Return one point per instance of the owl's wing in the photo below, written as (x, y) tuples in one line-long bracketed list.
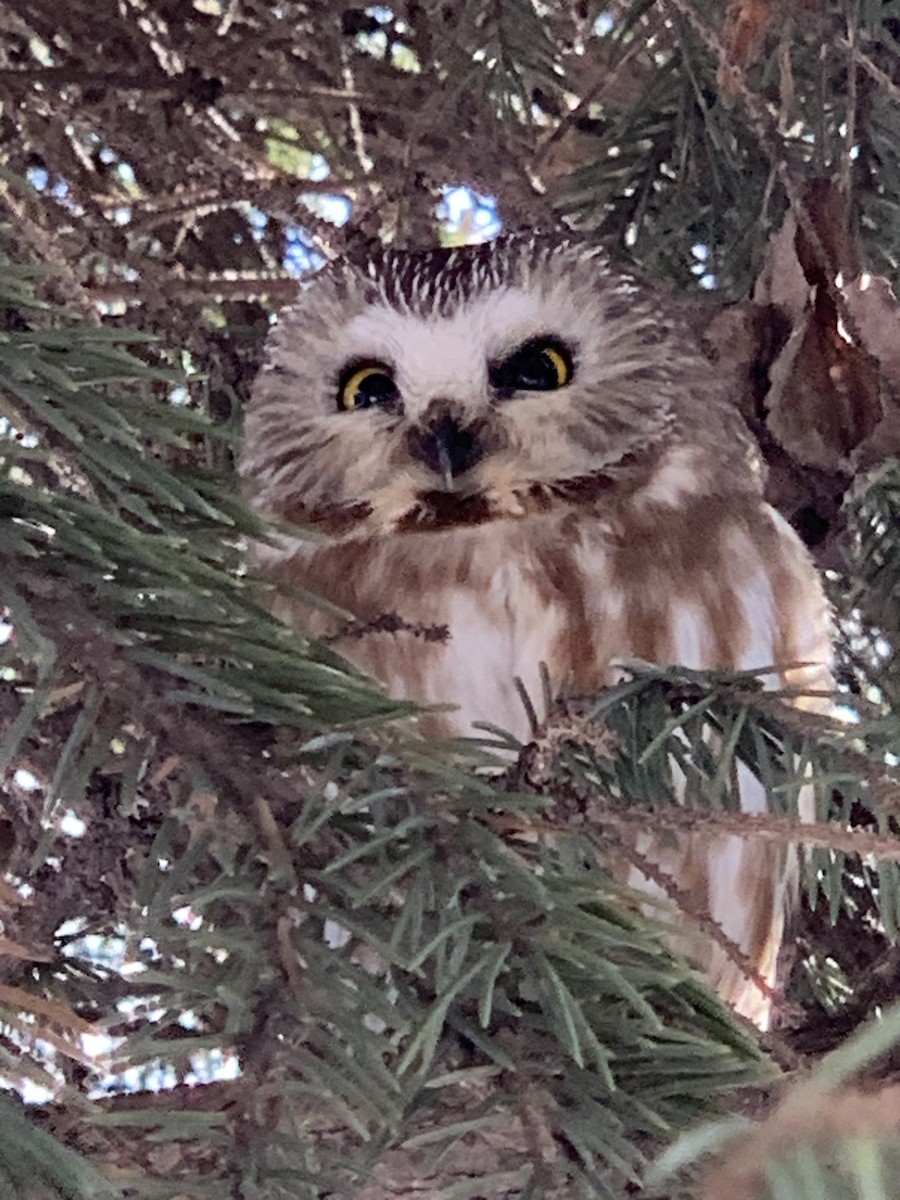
[(748, 886)]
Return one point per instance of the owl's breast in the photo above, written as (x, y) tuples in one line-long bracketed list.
[(477, 608), (456, 616), (496, 632)]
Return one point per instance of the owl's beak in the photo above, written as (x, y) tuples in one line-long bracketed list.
[(446, 463), (447, 447)]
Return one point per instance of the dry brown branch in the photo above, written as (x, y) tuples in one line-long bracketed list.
[(713, 823)]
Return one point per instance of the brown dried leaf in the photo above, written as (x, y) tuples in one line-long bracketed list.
[(824, 244), (810, 252), (743, 340), (824, 400), (782, 281), (876, 316)]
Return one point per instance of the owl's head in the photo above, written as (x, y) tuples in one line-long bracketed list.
[(415, 390)]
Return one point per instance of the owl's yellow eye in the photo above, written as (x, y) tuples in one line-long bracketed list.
[(561, 364), (365, 386), (540, 365)]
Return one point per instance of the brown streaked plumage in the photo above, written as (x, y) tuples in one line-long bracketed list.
[(546, 465)]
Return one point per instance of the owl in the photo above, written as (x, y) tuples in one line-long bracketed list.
[(518, 446)]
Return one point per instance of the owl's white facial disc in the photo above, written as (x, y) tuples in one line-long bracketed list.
[(448, 356), (417, 390)]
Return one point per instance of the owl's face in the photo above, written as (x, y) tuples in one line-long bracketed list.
[(420, 390)]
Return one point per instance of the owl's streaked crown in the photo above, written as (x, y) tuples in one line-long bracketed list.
[(440, 323)]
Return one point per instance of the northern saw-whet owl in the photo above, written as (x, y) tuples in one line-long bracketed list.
[(517, 442)]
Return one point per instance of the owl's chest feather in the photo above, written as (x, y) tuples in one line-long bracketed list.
[(499, 631), (712, 587), (492, 607)]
